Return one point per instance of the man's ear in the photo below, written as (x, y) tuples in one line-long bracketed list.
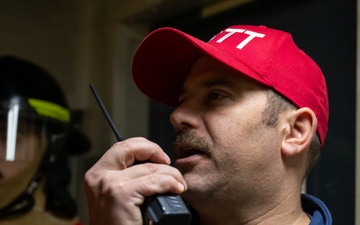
[(300, 128)]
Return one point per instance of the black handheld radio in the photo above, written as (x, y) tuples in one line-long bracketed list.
[(160, 209)]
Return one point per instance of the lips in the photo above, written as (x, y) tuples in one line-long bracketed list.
[(187, 151)]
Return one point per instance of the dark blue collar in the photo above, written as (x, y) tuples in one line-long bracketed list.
[(316, 210)]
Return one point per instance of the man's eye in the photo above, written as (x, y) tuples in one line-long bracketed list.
[(215, 95)]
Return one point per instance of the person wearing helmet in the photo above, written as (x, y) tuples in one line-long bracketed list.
[(37, 135)]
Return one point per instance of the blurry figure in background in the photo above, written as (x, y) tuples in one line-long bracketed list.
[(37, 135)]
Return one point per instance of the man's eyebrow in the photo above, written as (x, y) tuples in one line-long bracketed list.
[(212, 83), (223, 82)]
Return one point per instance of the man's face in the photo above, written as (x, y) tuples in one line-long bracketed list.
[(223, 149), (27, 150)]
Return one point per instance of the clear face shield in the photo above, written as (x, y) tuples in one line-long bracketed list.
[(22, 134)]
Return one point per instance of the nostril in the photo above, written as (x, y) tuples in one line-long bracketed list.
[(185, 115), (180, 122), (177, 118)]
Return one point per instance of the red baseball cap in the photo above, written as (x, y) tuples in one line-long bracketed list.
[(270, 57)]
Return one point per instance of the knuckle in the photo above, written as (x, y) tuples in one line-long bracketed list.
[(90, 177), (159, 183), (106, 184), (152, 168), (110, 185), (151, 180), (123, 145)]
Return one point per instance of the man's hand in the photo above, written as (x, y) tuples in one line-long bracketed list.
[(115, 188)]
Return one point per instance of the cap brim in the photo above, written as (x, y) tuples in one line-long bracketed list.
[(164, 59)]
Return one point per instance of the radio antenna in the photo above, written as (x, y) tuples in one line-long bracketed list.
[(106, 113)]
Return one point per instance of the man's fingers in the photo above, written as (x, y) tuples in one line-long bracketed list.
[(148, 174), (115, 183), (123, 154), (147, 179), (147, 169)]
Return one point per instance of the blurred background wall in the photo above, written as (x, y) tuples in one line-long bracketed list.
[(93, 41)]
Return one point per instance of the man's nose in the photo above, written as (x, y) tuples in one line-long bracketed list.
[(185, 116)]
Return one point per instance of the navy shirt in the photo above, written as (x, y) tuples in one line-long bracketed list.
[(316, 210)]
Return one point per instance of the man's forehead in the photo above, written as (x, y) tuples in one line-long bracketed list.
[(209, 72)]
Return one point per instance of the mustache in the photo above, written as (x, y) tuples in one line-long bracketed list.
[(190, 139)]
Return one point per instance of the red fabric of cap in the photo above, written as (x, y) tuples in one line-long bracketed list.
[(270, 57)]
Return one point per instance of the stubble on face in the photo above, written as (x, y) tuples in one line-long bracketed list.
[(188, 139)]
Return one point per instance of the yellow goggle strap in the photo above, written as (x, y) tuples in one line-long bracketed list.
[(49, 109)]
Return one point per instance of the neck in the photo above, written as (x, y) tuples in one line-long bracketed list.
[(284, 211)]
